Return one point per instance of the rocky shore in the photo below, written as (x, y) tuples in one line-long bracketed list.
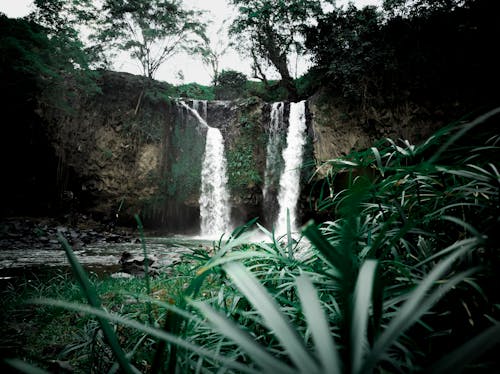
[(41, 233)]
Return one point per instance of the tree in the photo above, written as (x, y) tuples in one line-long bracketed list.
[(231, 85), (349, 47), (271, 30), (64, 54), (150, 30), (211, 53), (407, 8)]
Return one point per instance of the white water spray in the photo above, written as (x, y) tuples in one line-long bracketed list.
[(201, 107), (290, 179)]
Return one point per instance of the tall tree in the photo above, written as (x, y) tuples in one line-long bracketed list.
[(150, 30), (65, 52), (271, 30), (211, 53)]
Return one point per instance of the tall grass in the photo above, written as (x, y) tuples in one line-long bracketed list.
[(402, 280)]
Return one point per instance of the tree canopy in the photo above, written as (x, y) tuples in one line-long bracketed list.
[(269, 31), (150, 30)]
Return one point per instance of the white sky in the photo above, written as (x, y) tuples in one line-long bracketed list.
[(192, 69)]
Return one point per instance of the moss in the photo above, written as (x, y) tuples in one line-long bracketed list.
[(243, 155), (185, 160)]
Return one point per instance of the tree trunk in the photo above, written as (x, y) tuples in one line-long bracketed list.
[(280, 61)]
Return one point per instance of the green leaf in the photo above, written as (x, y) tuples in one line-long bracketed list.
[(93, 299), (272, 316), (228, 328), (318, 325), (361, 312), (416, 305), (457, 360), (24, 367), (154, 332)]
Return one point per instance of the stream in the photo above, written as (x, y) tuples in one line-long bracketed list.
[(23, 253)]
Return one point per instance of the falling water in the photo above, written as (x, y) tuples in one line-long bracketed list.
[(290, 179), (201, 106), (195, 113), (214, 197), (273, 150)]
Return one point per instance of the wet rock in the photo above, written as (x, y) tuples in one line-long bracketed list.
[(121, 275), (135, 265), (34, 233)]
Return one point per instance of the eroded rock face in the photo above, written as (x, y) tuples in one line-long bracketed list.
[(124, 152), (338, 129), (112, 143)]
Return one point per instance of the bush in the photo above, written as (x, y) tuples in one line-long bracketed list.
[(230, 85)]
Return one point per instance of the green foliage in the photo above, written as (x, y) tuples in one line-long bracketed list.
[(423, 51), (272, 92), (403, 280), (36, 59), (242, 170), (230, 85), (195, 91), (348, 45), (268, 32)]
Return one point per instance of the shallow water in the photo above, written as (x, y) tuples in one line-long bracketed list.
[(102, 258)]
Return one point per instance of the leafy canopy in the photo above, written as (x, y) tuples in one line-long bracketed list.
[(270, 31)]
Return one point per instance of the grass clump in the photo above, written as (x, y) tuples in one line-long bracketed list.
[(402, 279)]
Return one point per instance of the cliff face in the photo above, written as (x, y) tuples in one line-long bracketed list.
[(131, 149), (108, 146), (337, 129)]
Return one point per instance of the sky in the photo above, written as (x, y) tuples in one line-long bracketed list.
[(191, 69)]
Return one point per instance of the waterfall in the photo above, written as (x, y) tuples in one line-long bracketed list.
[(274, 162), (214, 197), (273, 149), (195, 113), (290, 179), (201, 107)]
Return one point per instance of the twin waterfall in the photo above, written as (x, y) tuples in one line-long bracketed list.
[(283, 162), (290, 178)]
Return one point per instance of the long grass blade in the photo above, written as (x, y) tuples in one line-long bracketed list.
[(317, 323), (329, 253), (413, 308), (24, 367), (457, 360), (146, 265), (378, 159), (228, 328), (154, 332), (93, 299), (289, 234), (361, 312), (272, 316), (469, 126)]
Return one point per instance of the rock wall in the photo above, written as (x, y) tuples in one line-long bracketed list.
[(338, 129), (109, 145)]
